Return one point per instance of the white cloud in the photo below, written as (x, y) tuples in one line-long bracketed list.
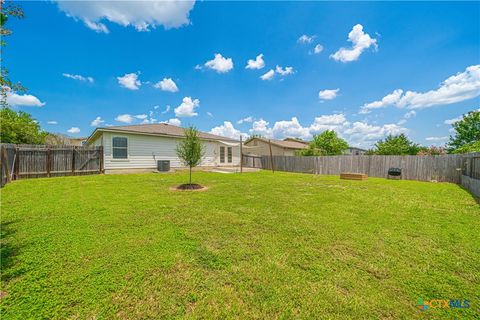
[(359, 134), (318, 49), (142, 15), (436, 138), (22, 100), (78, 77), (247, 119), (360, 42), (258, 63), (227, 130), (187, 107), (328, 94), (141, 116), (209, 114), (73, 130), (452, 121), (130, 81), (460, 87), (125, 118), (167, 84), (173, 122), (52, 122), (219, 64), (284, 72), (304, 39), (290, 128), (268, 75), (167, 109), (97, 122), (390, 99)]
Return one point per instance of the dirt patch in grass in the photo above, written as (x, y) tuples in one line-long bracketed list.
[(189, 187)]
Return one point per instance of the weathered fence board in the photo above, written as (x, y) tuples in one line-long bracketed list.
[(442, 168), (35, 161)]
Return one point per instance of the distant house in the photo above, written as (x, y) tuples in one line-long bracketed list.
[(57, 139), (353, 151), (141, 146), (260, 146)]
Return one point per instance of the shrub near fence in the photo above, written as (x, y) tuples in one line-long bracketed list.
[(442, 168), (34, 161)]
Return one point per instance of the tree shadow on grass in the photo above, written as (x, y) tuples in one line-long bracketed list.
[(7, 252)]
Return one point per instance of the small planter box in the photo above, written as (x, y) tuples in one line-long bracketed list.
[(353, 176)]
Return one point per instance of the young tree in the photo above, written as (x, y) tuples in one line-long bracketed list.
[(190, 150), (397, 145), (325, 144), (20, 127), (467, 134)]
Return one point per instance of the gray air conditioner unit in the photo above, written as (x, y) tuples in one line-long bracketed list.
[(163, 165)]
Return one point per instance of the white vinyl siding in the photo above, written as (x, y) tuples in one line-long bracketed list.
[(145, 150)]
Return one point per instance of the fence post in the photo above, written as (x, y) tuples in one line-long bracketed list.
[(17, 164), (5, 164), (73, 161), (241, 155), (271, 155), (102, 169), (48, 162)]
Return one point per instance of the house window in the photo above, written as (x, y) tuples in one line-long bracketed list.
[(119, 148), (229, 154), (222, 154)]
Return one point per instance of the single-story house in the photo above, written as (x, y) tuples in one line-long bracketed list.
[(261, 146), (353, 151), (139, 147)]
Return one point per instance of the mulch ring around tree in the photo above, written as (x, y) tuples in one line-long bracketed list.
[(189, 187)]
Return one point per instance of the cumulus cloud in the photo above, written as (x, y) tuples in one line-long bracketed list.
[(141, 116), (22, 100), (173, 122), (187, 107), (130, 81), (97, 122), (284, 72), (73, 130), (167, 84), (304, 39), (258, 63), (142, 15), (328, 94), (247, 119), (227, 130), (318, 49), (78, 77), (460, 87), (360, 42), (125, 118), (360, 134), (53, 122), (268, 75), (219, 64)]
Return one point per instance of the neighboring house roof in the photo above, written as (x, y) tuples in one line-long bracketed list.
[(160, 129), (355, 148), (288, 144), (297, 140)]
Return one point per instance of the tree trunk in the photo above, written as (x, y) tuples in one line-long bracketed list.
[(190, 175)]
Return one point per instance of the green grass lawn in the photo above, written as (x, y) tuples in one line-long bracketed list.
[(257, 245)]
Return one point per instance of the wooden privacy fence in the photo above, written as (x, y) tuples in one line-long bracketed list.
[(34, 161), (443, 168)]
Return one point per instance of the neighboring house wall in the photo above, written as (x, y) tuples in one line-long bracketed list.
[(144, 151), (354, 151), (261, 148)]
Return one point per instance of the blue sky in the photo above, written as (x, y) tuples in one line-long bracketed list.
[(83, 61)]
